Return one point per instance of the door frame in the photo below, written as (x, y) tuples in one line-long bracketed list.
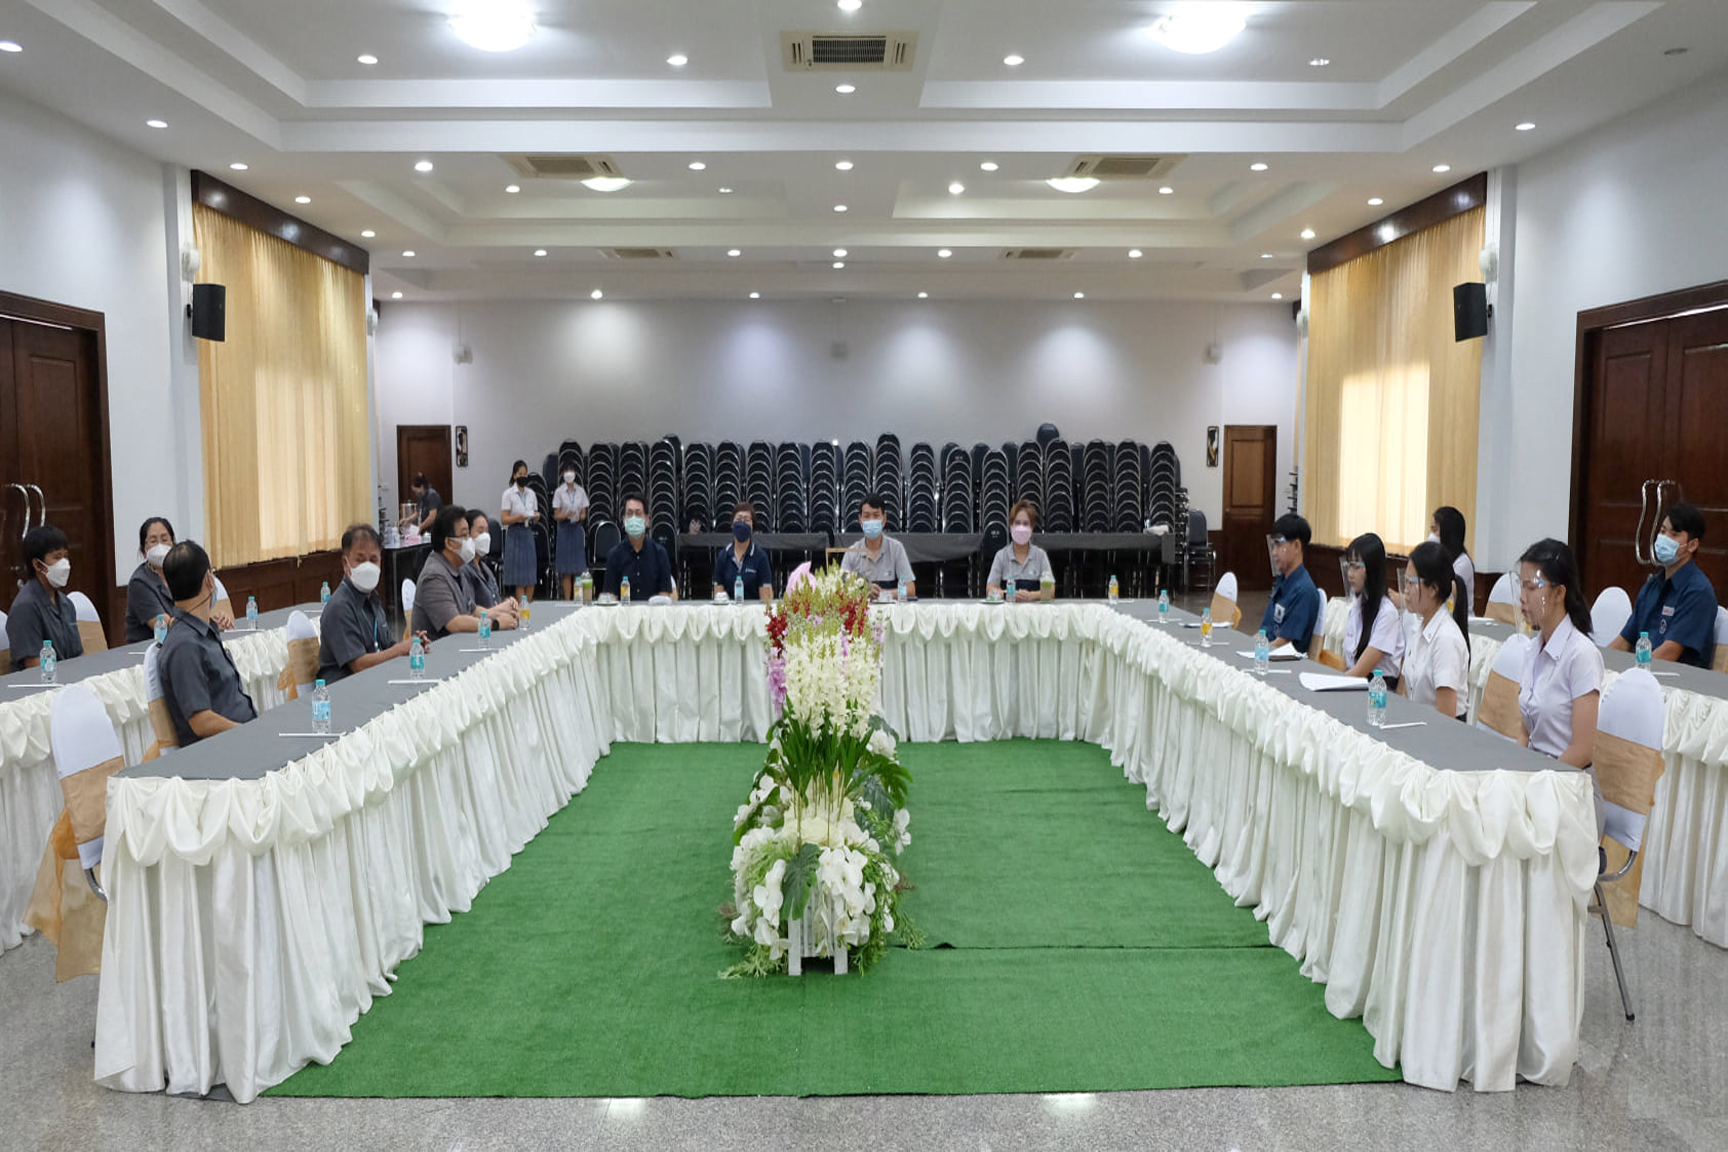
[(94, 325), (1224, 490), (1592, 322)]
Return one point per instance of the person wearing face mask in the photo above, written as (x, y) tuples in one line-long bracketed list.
[(147, 591), (1019, 569), (427, 502), (1446, 528), (521, 508), (42, 610), (643, 560), (879, 558), (570, 510), (443, 603), (744, 558), (1677, 605), (1561, 686), (1437, 665), (1378, 645), (200, 685), (354, 631), (1295, 605), (475, 573)]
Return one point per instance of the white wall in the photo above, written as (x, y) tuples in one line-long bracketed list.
[(83, 223), (547, 371), (1637, 208)]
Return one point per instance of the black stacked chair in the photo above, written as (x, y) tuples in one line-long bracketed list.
[(888, 480), (759, 483), (698, 487), (993, 492), (603, 483), (1128, 508), (1163, 482), (632, 471), (856, 478), (1029, 477), (823, 495), (570, 457), (728, 482), (921, 490), (958, 503), (1095, 487), (1058, 487), (790, 513), (663, 498)]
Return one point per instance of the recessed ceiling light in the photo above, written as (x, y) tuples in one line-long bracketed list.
[(1265, 255), (423, 166), (408, 254), (1135, 253), (839, 263), (1013, 60), (923, 295), (1199, 29), (849, 5), (956, 188), (839, 253), (845, 89), (596, 294), (238, 166), (734, 252), (493, 25), (839, 207), (725, 191), (1375, 202), (1166, 190), (606, 183), (1307, 233), (697, 166), (944, 253), (1079, 295), (755, 295), (395, 295), (1072, 183), (11, 46), (1318, 62), (302, 199), (1526, 126), (1277, 295), (155, 123), (678, 60), (367, 234), (512, 188), (367, 58), (1442, 167), (987, 166), (539, 251), (843, 165), (1257, 166)]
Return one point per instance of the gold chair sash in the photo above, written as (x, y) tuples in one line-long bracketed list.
[(1499, 710), (1501, 613), (163, 725), (63, 908), (90, 635), (302, 666), (86, 795), (1331, 659), (1627, 774), (1224, 611)]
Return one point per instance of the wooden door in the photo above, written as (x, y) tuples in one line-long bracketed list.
[(422, 448), (1696, 454), (1250, 476)]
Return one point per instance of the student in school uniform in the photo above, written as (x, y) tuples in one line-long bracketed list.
[(354, 630), (475, 573), (1294, 609), (1020, 566), (442, 602), (570, 510), (521, 508), (1437, 663), (1448, 528), (42, 611), (879, 558), (1560, 690), (147, 591), (200, 685), (744, 559), (1676, 606), (1373, 633)]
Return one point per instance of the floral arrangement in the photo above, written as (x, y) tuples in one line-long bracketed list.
[(827, 813)]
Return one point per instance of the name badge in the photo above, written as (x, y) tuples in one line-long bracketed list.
[(1278, 614), (1668, 610)]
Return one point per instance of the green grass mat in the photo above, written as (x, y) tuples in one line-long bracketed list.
[(1084, 949)]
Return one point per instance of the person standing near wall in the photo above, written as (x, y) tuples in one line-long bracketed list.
[(570, 510), (521, 508)]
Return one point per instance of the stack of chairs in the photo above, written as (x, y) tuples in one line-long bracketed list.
[(958, 491), (823, 496), (887, 480), (632, 472), (1058, 487), (1029, 477), (662, 495), (759, 483), (993, 491), (921, 490), (698, 489), (1163, 486), (856, 479), (602, 483), (1095, 487), (790, 513), (1128, 506), (728, 483)]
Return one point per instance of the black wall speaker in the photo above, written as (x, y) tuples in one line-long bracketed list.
[(1469, 311), (209, 311)]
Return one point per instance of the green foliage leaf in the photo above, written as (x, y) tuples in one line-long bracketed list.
[(800, 878)]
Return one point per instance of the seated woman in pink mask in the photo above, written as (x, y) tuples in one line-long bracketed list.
[(1022, 569)]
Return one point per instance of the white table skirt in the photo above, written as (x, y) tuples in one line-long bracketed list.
[(1686, 842), (30, 783)]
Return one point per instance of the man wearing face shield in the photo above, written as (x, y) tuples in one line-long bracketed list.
[(354, 632), (200, 685), (443, 602), (42, 610), (1676, 606), (744, 559), (1295, 605)]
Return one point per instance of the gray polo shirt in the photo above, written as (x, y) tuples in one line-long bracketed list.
[(198, 675), (480, 584), (440, 595), (888, 568), (352, 625), (36, 616), (1026, 576)]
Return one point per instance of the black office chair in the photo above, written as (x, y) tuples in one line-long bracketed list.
[(1197, 555), (995, 539)]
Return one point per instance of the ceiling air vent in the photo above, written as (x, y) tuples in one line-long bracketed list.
[(562, 166), (1038, 254), (848, 51), (637, 253), (1124, 167)]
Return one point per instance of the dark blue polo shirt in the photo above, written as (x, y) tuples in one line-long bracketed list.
[(649, 570), (755, 570), (1681, 609), (1290, 614)]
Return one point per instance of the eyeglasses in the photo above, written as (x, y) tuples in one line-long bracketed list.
[(1412, 581), (1354, 565), (1535, 585), (1277, 541)]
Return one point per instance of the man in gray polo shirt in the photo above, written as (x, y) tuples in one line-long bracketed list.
[(200, 685), (443, 601), (879, 558), (354, 632)]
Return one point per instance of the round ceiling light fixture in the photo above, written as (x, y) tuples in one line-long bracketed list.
[(1375, 201), (755, 295), (367, 58), (539, 251), (734, 252), (596, 294), (493, 25), (239, 166), (843, 165), (512, 188), (839, 253), (1073, 184), (697, 166), (1135, 253), (302, 199), (956, 188), (423, 166), (606, 183), (1014, 60), (849, 5), (11, 46), (678, 60), (1439, 168), (1526, 126), (1257, 166), (395, 295), (1197, 29), (988, 166), (155, 123), (944, 253), (367, 234), (1079, 295), (845, 89)]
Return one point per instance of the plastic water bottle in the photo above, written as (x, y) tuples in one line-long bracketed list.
[(320, 708), (1377, 700), (324, 592), (1643, 650), (738, 588), (1206, 627), (522, 611), (1262, 653), (48, 661), (485, 630), (624, 590), (1115, 589), (251, 613), (416, 660), (1164, 606), (900, 593), (161, 628)]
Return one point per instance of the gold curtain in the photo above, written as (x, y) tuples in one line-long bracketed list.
[(287, 448), (1392, 400)]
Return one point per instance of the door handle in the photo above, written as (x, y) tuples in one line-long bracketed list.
[(1644, 544), (41, 507), (24, 492)]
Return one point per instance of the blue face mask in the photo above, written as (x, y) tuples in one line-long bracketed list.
[(741, 530), (872, 528), (1667, 550), (634, 526)]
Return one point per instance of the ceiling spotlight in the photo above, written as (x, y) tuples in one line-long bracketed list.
[(423, 166), (845, 89), (238, 166), (1526, 126), (1079, 295), (606, 183), (155, 123), (1166, 190), (11, 46), (839, 253), (1442, 167), (1013, 60), (1318, 62), (725, 191), (849, 5), (923, 295), (839, 264), (367, 58), (512, 188), (1265, 255), (1307, 233), (1257, 166), (596, 294), (697, 166), (408, 254), (734, 252), (956, 188), (539, 251), (678, 60), (755, 295), (944, 253), (1073, 183), (368, 234), (839, 207), (395, 295), (1375, 201), (843, 165), (1277, 295), (987, 166), (1199, 29), (493, 25), (1135, 253), (302, 199)]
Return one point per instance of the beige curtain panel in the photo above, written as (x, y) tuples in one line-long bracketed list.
[(287, 447), (1392, 400)]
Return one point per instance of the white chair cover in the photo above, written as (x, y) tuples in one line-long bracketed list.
[(1608, 615), (300, 628), (152, 696), (82, 737), (5, 649), (221, 590), (1720, 663), (1498, 711), (1633, 710), (1504, 591), (1227, 586), (1514, 657), (81, 605), (407, 597)]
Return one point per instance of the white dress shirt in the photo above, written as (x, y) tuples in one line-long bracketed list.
[(1568, 666), (1439, 657), (1467, 573), (520, 501), (569, 498), (1387, 635)]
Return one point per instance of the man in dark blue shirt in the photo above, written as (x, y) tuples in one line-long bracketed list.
[(1677, 605), (744, 559), (639, 558), (1294, 609)]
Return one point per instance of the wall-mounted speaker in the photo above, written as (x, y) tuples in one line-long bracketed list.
[(208, 310), (1469, 311)]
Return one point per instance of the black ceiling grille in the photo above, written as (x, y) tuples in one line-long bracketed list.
[(848, 49)]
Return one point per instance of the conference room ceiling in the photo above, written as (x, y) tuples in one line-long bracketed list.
[(1407, 85)]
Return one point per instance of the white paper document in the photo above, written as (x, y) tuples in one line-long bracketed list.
[(1286, 653), (1322, 682)]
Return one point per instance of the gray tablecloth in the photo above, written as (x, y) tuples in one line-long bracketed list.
[(1703, 681)]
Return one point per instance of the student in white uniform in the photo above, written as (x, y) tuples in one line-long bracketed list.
[(1561, 687), (1448, 528), (1437, 665), (1379, 645), (521, 508)]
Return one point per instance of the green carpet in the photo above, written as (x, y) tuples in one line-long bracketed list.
[(1075, 946)]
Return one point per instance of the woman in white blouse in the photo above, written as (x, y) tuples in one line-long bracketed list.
[(1437, 666), (570, 509), (1562, 685), (521, 558), (1448, 527), (1380, 645)]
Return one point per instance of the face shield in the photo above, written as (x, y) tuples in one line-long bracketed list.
[(1346, 569), (1274, 544), (1534, 597)]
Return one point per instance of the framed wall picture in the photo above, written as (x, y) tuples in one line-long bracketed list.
[(1211, 446), (462, 445)]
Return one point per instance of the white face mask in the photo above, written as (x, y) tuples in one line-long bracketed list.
[(59, 572), (482, 543), (569, 477), (156, 554), (365, 576), (1433, 537), (467, 549)]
